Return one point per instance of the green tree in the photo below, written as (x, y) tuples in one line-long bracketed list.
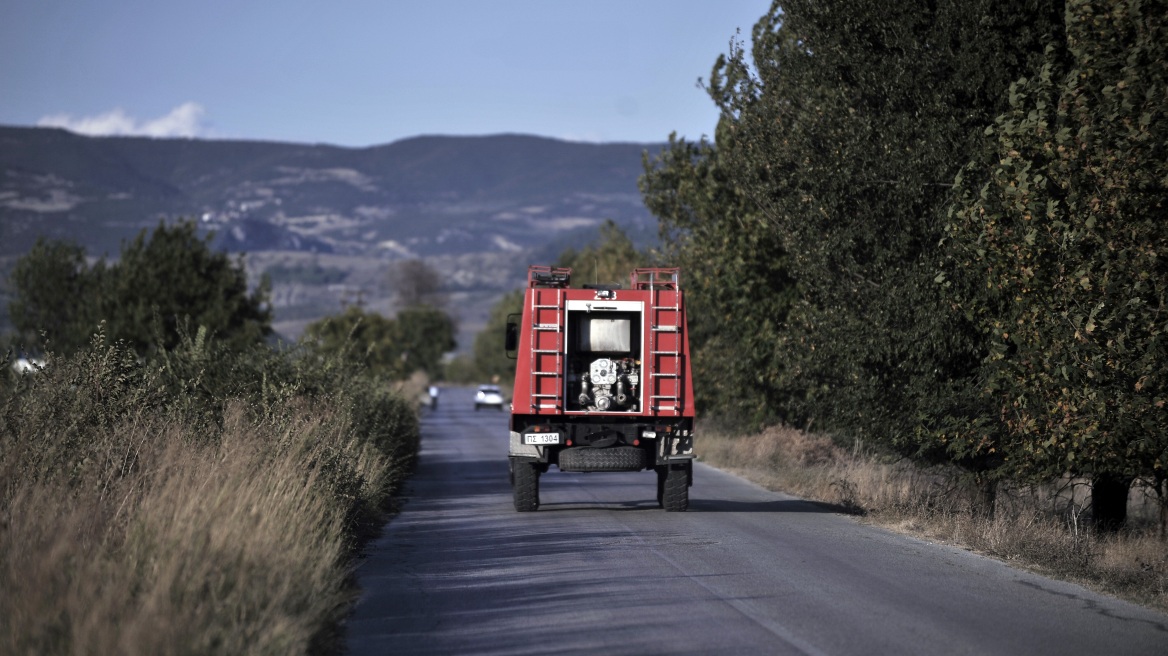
[(1058, 246), (842, 131), (144, 298), (490, 359), (174, 275), (366, 337), (734, 272), (57, 295), (417, 339), (427, 334)]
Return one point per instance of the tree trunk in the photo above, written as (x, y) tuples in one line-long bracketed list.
[(985, 496), (1109, 501), (1162, 497)]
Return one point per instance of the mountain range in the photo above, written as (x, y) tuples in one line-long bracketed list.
[(328, 222)]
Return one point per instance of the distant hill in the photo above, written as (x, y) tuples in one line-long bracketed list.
[(477, 208), (421, 196)]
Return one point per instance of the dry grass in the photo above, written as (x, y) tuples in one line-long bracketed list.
[(204, 500), (236, 545), (1043, 529)]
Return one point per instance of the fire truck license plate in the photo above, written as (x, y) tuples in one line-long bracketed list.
[(541, 438)]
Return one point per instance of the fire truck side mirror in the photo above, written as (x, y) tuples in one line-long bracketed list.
[(511, 337)]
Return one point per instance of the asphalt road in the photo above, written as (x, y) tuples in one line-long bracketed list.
[(600, 569)]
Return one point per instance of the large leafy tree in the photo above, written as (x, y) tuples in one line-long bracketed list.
[(394, 348), (365, 337), (842, 130), (734, 271), (427, 334), (156, 286), (1058, 253), (57, 296), (174, 276)]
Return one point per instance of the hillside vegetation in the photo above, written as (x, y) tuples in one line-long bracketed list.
[(324, 222), (425, 196)]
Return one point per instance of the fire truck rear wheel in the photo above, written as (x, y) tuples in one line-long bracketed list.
[(525, 485), (675, 490)]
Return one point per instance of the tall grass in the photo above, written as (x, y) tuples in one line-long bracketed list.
[(199, 503), (1043, 527)]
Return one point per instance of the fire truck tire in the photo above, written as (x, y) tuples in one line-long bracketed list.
[(675, 490), (525, 485), (620, 458)]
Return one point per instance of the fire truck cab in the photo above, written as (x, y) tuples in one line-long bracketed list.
[(602, 382)]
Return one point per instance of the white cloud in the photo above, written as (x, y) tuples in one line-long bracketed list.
[(583, 137), (186, 120)]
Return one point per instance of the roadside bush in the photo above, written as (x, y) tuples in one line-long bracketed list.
[(194, 503)]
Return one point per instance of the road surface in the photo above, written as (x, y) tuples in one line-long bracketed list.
[(600, 569)]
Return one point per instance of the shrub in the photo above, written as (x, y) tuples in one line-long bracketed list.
[(193, 503)]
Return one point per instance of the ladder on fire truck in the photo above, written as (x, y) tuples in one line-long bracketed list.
[(665, 337), (547, 336)]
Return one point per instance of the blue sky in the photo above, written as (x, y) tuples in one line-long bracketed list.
[(361, 72)]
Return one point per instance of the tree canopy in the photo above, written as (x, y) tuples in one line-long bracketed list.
[(417, 339), (840, 135), (158, 284), (937, 226), (57, 296), (1057, 244), (738, 288)]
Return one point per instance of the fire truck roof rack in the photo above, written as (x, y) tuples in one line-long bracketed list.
[(539, 275), (656, 278)]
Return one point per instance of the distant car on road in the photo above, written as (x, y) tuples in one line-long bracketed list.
[(489, 396)]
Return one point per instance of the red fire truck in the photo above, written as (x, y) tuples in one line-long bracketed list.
[(602, 382)]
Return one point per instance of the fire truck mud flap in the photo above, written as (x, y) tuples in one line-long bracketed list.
[(520, 450)]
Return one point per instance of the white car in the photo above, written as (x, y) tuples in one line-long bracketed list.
[(489, 396)]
